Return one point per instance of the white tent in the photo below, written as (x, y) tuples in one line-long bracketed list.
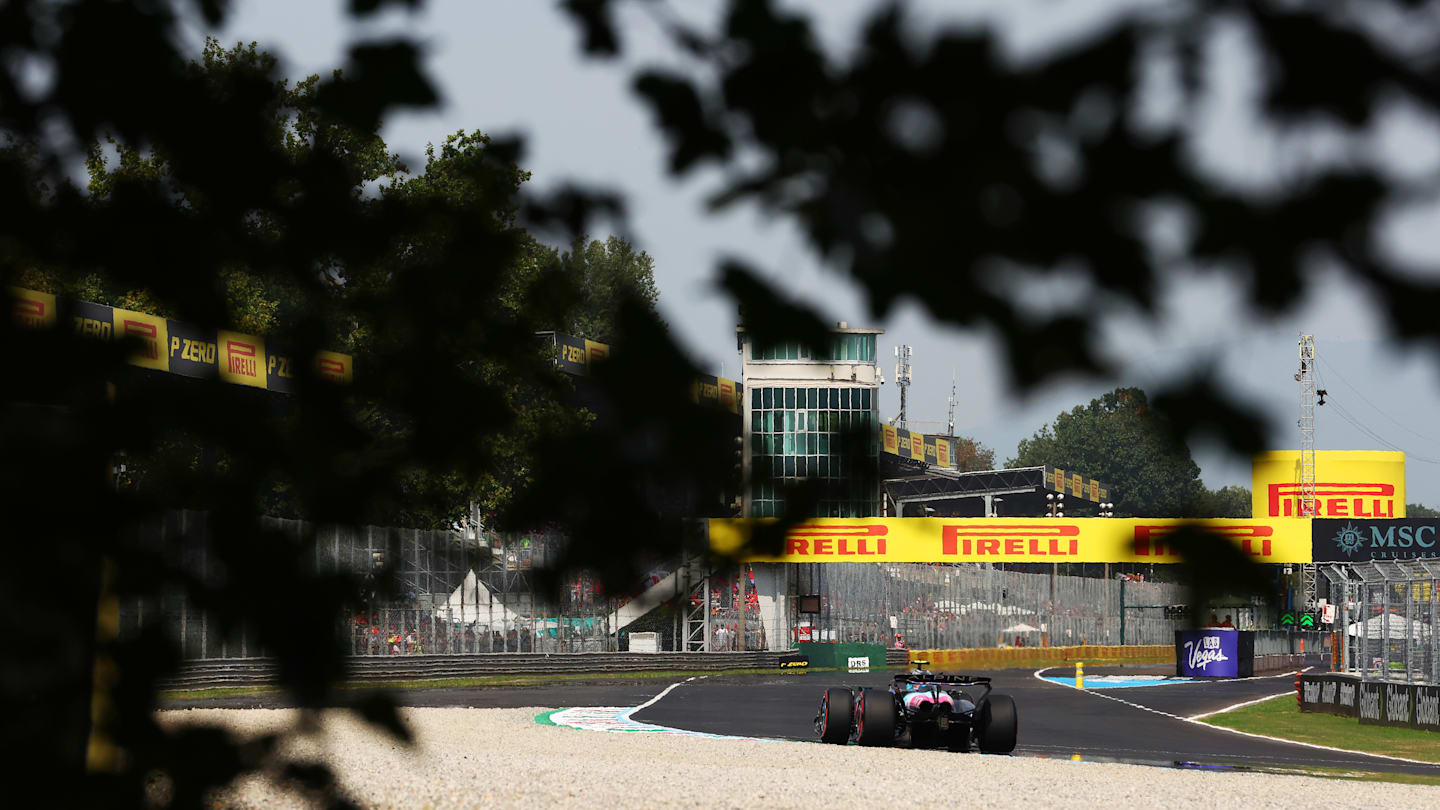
[(472, 602), (1388, 625), (1021, 628)]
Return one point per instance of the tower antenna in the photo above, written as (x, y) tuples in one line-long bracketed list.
[(902, 379), (1306, 377), (950, 420)]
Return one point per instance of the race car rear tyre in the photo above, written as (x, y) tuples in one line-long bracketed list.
[(836, 714), (875, 718), (998, 722)]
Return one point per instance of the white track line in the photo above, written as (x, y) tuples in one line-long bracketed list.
[(1203, 715), (652, 701), (1101, 694), (1177, 680)]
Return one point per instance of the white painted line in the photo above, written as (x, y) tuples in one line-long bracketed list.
[(652, 701), (1101, 694), (1176, 680), (1203, 715)]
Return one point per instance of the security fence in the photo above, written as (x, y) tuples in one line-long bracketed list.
[(1386, 613), (960, 606), (452, 592), (474, 592)]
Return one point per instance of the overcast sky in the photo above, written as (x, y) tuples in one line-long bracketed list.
[(513, 67)]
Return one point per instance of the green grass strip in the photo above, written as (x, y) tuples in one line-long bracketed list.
[(1281, 718)]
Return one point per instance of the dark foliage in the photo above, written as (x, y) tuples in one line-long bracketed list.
[(930, 152)]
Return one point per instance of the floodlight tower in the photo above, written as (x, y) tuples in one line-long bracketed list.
[(1306, 377), (902, 379)]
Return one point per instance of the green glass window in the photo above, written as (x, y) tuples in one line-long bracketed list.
[(795, 431)]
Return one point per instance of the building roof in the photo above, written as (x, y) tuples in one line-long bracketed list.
[(839, 330)]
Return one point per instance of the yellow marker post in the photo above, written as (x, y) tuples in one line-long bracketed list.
[(1079, 674)]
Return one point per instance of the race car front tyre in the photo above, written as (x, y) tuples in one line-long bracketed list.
[(837, 712), (875, 718), (998, 722)]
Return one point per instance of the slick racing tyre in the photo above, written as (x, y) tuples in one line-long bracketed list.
[(837, 711), (875, 718), (998, 722)]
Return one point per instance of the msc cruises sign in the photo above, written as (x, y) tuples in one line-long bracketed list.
[(1364, 540)]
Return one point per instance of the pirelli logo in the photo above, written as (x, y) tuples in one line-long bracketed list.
[(1040, 540), (1334, 500), (1257, 541), (858, 540), (241, 358), (149, 337), (331, 369), (29, 312), (958, 539)]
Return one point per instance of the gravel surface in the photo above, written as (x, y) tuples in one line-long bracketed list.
[(503, 758)]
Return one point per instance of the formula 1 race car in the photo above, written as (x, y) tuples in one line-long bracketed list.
[(925, 708)]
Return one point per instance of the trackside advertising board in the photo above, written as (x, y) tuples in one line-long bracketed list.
[(1115, 540), (1374, 702), (163, 344), (1332, 693), (1348, 484), (575, 355), (1214, 653), (1366, 540)]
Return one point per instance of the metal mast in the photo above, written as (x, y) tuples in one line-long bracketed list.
[(950, 420), (902, 379), (1306, 377)]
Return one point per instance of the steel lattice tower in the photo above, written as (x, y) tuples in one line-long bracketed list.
[(902, 379), (1306, 377), (950, 419)]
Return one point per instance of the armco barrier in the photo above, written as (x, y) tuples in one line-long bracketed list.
[(999, 657), (1373, 702), (262, 671)]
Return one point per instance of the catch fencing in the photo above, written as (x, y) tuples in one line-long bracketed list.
[(962, 606), (475, 592), (1386, 617), (451, 592)]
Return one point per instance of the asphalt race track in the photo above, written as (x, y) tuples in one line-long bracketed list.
[(1056, 721)]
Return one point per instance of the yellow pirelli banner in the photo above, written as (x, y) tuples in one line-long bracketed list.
[(1348, 484), (1008, 540), (165, 344), (33, 309)]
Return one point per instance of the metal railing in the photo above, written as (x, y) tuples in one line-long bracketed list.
[(1387, 618), (475, 593), (961, 606), (456, 593)]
